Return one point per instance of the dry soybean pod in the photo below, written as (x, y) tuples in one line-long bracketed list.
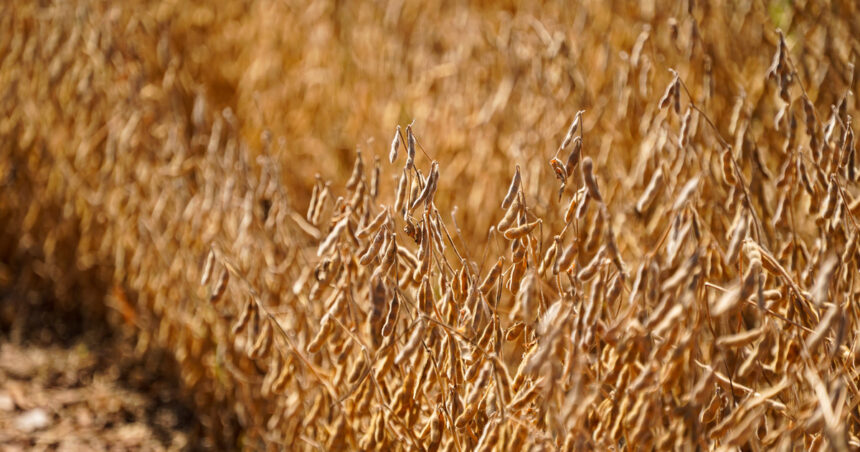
[(391, 319), (520, 231), (410, 147), (510, 215), (492, 276), (373, 225), (220, 286), (373, 249), (565, 260), (588, 178), (512, 189), (395, 145)]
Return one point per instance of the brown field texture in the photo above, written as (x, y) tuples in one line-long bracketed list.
[(390, 225)]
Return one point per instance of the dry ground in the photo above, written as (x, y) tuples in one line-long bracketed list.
[(65, 390)]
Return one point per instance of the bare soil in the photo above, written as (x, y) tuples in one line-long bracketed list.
[(86, 392)]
